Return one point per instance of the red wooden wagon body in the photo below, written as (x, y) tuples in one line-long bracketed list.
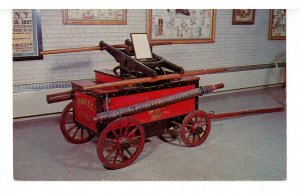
[(78, 125), (87, 104)]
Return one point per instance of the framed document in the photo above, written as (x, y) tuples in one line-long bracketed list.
[(95, 16), (243, 16), (181, 26), (27, 34), (277, 24)]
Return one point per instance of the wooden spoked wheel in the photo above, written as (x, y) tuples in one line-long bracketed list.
[(195, 128), (70, 130), (120, 143)]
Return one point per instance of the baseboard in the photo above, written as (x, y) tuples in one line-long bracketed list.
[(30, 104)]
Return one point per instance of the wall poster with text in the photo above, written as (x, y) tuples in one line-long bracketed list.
[(27, 34)]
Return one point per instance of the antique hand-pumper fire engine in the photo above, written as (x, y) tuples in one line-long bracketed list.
[(140, 98)]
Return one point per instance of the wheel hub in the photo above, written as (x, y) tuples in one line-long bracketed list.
[(196, 129), (199, 130), (122, 143)]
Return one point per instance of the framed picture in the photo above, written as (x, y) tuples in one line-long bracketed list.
[(277, 24), (27, 35), (95, 16), (243, 16), (181, 26)]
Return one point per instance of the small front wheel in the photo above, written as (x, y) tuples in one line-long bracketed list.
[(195, 128), (120, 143)]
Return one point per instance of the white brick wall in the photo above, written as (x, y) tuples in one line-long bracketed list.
[(234, 45)]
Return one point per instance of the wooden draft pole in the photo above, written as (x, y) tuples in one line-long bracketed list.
[(246, 112)]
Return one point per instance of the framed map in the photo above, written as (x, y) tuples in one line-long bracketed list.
[(27, 34), (181, 26), (277, 24), (95, 16)]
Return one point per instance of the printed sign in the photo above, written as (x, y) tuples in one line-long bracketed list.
[(27, 40)]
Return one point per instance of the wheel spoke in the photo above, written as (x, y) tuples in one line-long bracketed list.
[(71, 128), (82, 133), (193, 137), (128, 152), (189, 136), (110, 147), (116, 156), (203, 124), (69, 118), (134, 140), (122, 155), (110, 140), (196, 118), (110, 153), (198, 136), (115, 134), (132, 132), (126, 130), (75, 133), (185, 131)]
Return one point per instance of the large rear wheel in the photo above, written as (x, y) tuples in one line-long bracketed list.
[(72, 131)]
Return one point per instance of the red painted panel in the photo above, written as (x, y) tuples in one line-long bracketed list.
[(103, 77), (168, 111), (85, 108)]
